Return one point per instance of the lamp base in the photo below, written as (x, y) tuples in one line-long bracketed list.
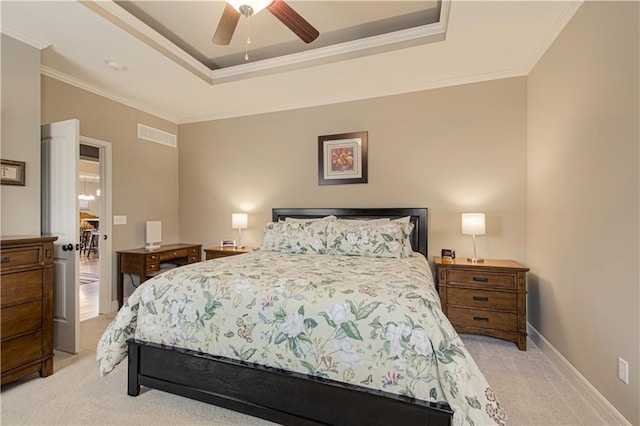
[(474, 260)]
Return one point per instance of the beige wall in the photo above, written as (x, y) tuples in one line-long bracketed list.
[(583, 196), (20, 139), (452, 150), (144, 174)]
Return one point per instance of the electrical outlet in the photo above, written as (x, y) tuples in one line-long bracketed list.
[(119, 220), (623, 370)]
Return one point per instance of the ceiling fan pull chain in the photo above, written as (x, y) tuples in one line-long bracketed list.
[(246, 47)]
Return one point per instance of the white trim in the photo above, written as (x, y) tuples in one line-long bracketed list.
[(24, 37), (599, 403), (554, 30), (50, 72), (129, 23), (355, 48)]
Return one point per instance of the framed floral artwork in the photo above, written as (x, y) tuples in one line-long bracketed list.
[(342, 158)]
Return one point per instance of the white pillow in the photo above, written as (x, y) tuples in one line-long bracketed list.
[(355, 221), (406, 219), (303, 220)]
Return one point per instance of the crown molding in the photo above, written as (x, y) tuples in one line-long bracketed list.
[(555, 29), (65, 78), (147, 35), (24, 37), (348, 50)]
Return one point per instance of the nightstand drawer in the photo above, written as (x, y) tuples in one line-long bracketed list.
[(480, 278), (498, 300), (483, 319)]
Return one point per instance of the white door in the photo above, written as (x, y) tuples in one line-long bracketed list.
[(60, 217)]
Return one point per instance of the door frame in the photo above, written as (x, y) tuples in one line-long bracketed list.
[(106, 304)]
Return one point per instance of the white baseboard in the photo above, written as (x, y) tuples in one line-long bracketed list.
[(608, 412)]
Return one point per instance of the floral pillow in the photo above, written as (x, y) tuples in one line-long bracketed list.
[(296, 237), (381, 239)]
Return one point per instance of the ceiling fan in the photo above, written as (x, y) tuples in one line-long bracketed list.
[(278, 8)]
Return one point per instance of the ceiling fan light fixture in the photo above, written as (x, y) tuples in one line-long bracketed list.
[(249, 7)]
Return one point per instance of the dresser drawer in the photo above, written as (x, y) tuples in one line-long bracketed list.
[(498, 300), (482, 319), (174, 254), (21, 319), (481, 279), (20, 258), (22, 350), (20, 287)]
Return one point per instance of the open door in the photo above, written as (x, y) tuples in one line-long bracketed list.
[(60, 217)]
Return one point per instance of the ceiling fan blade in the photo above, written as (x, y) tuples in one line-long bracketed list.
[(226, 26), (295, 22)]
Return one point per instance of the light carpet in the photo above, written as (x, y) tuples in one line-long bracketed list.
[(530, 388)]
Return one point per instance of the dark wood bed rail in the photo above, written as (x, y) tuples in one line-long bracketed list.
[(277, 395)]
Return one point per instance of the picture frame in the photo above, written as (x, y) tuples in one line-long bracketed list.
[(228, 243), (342, 158), (12, 172)]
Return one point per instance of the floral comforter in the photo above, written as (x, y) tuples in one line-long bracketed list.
[(368, 321)]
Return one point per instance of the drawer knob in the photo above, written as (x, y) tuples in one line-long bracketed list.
[(485, 319), (5, 260), (481, 298), (481, 279)]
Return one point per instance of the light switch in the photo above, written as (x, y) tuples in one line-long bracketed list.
[(119, 220)]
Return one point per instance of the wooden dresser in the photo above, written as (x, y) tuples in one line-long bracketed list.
[(26, 307), (145, 263), (487, 298)]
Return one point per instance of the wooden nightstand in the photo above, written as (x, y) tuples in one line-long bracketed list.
[(218, 252), (488, 298)]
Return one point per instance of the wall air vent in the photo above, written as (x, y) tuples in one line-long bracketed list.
[(158, 136)]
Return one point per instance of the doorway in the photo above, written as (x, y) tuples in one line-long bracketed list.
[(94, 199)]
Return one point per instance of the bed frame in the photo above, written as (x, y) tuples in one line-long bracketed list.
[(278, 395)]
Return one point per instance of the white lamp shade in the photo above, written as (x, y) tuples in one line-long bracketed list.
[(256, 5), (473, 223), (239, 220), (154, 232)]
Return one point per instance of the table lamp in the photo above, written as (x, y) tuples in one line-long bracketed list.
[(473, 224), (239, 222)]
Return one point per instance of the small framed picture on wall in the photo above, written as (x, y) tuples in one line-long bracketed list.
[(342, 158)]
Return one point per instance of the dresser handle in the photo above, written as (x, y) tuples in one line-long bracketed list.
[(481, 279), (5, 260), (485, 319), (481, 299)]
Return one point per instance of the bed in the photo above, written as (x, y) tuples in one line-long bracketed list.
[(307, 333)]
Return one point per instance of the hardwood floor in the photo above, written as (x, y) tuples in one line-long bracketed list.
[(89, 292)]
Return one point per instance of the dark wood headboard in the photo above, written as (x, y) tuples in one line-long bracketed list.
[(418, 216)]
